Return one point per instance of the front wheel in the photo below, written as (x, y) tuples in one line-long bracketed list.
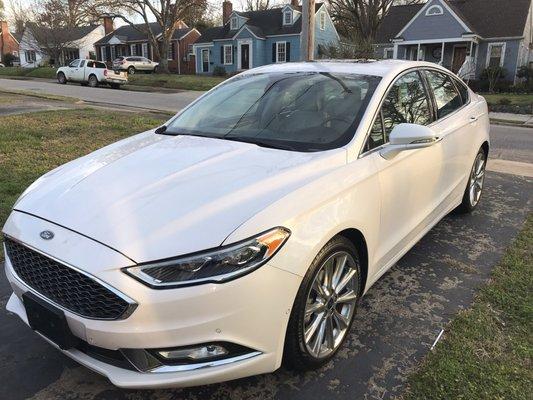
[(61, 78), (131, 71), (324, 307), (476, 180)]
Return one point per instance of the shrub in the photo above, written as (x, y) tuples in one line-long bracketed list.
[(493, 75), (8, 59), (504, 101), (219, 71), (525, 72)]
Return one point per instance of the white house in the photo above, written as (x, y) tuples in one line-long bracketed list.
[(76, 42)]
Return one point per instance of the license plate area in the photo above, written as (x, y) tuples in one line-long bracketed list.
[(49, 321)]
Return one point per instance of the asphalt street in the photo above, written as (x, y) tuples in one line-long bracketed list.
[(398, 320), (171, 102)]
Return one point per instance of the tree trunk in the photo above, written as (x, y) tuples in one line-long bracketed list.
[(162, 49)]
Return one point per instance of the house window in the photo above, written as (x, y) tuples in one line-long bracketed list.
[(281, 52), (322, 20), (145, 50), (287, 18), (113, 53), (133, 50), (228, 54), (170, 51), (119, 51), (495, 54), (233, 23), (30, 56), (190, 49), (388, 53), (434, 10), (102, 53)]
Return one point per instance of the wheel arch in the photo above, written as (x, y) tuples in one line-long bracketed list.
[(358, 239), (485, 146), (93, 74)]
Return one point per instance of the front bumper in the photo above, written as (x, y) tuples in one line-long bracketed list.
[(251, 311)]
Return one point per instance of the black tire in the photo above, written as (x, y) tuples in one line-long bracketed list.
[(469, 202), (296, 355), (131, 70), (61, 78), (93, 81)]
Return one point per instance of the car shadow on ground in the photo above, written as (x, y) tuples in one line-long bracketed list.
[(397, 322)]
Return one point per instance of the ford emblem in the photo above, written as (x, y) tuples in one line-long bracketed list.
[(47, 235)]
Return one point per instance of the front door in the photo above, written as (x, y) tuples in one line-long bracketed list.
[(245, 56), (459, 57), (409, 180), (205, 60)]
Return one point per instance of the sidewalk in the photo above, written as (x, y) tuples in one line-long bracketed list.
[(525, 120)]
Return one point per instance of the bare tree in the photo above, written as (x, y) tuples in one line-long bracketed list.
[(50, 31), (257, 5), (166, 13), (361, 18), (20, 15), (2, 10)]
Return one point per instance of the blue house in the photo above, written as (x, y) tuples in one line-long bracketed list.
[(465, 36), (254, 38)]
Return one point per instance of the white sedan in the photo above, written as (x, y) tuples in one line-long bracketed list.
[(244, 231)]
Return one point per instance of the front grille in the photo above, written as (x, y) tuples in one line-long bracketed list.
[(63, 285)]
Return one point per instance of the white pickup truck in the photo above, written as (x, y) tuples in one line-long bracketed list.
[(92, 73)]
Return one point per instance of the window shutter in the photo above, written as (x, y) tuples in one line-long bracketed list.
[(173, 47), (232, 55), (222, 55), (273, 52), (288, 51), (139, 51)]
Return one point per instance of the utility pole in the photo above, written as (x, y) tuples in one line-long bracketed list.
[(308, 30)]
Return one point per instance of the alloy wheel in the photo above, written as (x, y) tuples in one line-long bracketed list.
[(330, 304), (477, 179)]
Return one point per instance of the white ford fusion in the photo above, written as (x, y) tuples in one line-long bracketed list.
[(244, 231)]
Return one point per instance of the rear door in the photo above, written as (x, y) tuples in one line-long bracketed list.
[(454, 124)]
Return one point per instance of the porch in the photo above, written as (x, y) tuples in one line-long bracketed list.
[(451, 54)]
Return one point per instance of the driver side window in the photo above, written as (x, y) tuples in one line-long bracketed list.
[(74, 64), (406, 102)]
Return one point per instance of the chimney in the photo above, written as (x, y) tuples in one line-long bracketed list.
[(3, 26), (227, 9), (294, 3), (108, 24)]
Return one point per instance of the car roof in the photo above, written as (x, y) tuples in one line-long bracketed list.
[(381, 68)]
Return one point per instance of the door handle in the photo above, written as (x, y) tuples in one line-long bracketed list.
[(473, 119)]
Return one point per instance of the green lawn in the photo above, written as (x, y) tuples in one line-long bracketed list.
[(487, 351), (514, 99), (174, 81), (32, 144), (43, 72)]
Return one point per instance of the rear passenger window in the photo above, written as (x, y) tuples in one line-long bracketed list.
[(447, 98), (406, 102), (463, 90)]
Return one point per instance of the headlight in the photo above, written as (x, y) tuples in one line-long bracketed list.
[(218, 265)]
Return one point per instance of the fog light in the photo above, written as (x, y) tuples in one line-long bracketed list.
[(194, 353)]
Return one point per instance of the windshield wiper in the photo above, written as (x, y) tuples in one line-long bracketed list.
[(260, 142)]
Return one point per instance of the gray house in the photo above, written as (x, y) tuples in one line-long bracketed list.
[(465, 36)]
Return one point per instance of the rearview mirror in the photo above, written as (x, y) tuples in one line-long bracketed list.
[(408, 137)]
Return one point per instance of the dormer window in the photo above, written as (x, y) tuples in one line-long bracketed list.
[(233, 23), (287, 17), (322, 20), (434, 10)]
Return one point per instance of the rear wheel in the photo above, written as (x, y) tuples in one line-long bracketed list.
[(476, 180), (93, 81), (131, 70), (324, 307), (61, 78)]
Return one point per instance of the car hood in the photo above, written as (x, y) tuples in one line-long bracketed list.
[(154, 196)]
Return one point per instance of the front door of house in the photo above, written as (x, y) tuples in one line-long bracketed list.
[(245, 56), (459, 57), (205, 60)]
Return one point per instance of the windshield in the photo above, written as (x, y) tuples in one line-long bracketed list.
[(308, 111)]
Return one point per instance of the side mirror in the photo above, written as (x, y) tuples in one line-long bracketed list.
[(408, 137)]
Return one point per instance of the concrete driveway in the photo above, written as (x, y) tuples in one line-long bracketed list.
[(170, 102)]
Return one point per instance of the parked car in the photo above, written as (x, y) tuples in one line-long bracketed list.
[(92, 73), (134, 63), (2, 65), (246, 229)]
